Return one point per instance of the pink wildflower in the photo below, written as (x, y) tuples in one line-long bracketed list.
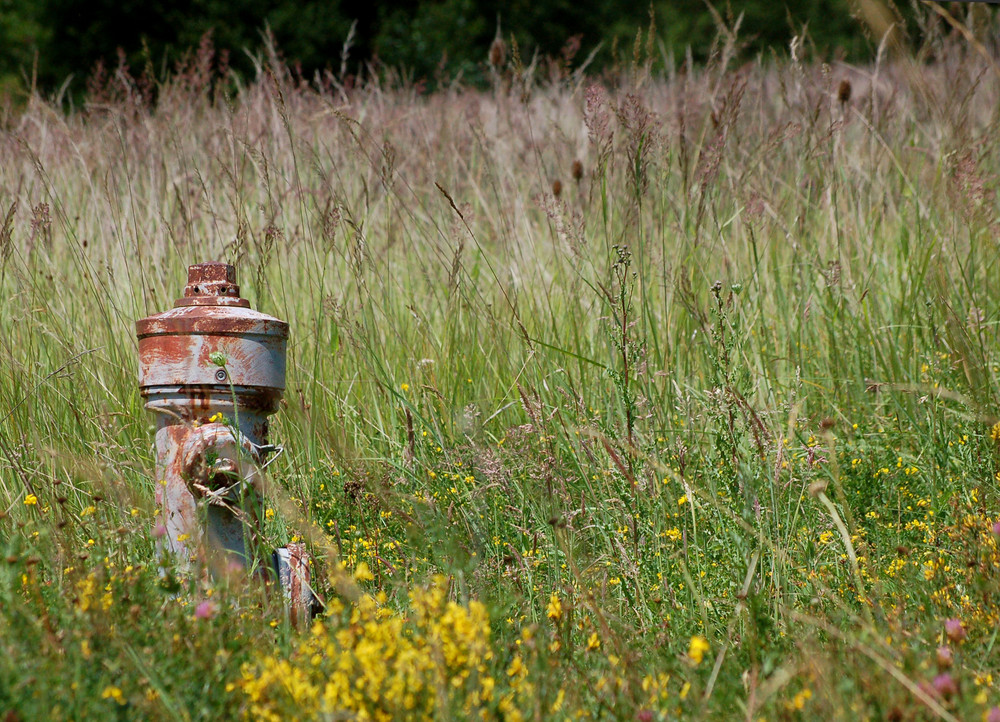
[(205, 610), (955, 630), (945, 686)]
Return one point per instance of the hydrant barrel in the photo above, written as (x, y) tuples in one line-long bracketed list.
[(212, 370)]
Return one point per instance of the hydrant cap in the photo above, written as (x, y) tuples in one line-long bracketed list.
[(182, 346), (211, 304), (212, 284)]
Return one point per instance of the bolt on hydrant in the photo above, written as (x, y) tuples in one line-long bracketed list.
[(212, 370)]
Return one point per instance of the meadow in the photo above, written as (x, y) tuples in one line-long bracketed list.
[(647, 395)]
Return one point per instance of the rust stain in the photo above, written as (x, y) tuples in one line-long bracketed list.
[(220, 319), (199, 402), (300, 596)]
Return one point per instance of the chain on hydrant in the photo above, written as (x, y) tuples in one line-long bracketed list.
[(212, 370)]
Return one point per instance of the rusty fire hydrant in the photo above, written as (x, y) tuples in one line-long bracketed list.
[(212, 370)]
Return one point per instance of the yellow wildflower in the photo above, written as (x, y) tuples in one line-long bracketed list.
[(111, 692), (516, 667), (800, 700), (363, 573), (696, 651), (554, 610), (30, 500)]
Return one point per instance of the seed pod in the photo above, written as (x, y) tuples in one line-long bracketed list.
[(944, 657), (844, 91), (498, 53)]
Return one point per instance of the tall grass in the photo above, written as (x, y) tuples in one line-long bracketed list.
[(639, 362)]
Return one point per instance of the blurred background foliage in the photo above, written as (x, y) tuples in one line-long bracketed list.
[(58, 43)]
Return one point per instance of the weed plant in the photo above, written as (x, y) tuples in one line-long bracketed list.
[(643, 396)]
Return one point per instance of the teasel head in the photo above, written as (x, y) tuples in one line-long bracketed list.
[(498, 52), (844, 92)]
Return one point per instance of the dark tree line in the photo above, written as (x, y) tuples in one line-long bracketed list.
[(428, 39)]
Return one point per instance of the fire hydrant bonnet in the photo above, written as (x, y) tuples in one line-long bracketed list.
[(176, 347)]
